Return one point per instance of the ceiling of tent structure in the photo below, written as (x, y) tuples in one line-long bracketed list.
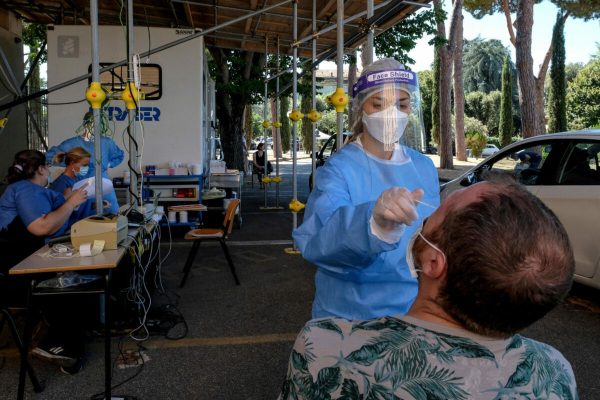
[(245, 33)]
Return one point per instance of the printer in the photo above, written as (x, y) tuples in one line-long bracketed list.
[(110, 228)]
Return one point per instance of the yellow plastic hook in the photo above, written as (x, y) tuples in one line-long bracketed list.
[(296, 206), (339, 99), (95, 95), (296, 115), (314, 115), (130, 96)]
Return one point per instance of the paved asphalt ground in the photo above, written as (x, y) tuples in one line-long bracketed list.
[(239, 337)]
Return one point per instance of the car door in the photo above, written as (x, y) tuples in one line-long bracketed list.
[(572, 191)]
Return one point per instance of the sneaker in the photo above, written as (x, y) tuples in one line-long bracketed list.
[(75, 368), (55, 353)]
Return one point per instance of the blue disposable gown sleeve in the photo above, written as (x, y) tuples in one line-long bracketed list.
[(114, 154), (335, 234)]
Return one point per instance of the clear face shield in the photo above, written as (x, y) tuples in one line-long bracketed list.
[(387, 104)]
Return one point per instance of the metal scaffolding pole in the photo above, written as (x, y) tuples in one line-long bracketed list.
[(369, 47), (277, 130), (133, 162), (96, 111), (316, 33), (314, 93), (340, 69), (294, 106), (265, 126)]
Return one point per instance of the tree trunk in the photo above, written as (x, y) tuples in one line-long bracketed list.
[(230, 108), (435, 98), (286, 126), (445, 54), (276, 131), (529, 91), (305, 107), (459, 95)]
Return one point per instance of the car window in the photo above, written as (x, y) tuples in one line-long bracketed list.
[(526, 164), (329, 147), (581, 165)]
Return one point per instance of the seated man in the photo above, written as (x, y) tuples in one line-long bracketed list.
[(481, 280), (531, 158)]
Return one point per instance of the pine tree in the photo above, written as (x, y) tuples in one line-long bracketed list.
[(558, 90), (505, 126)]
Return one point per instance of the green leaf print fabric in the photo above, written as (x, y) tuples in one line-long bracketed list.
[(406, 358)]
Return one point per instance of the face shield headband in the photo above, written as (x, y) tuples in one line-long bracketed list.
[(400, 78)]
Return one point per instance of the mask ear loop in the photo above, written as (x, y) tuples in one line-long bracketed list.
[(432, 245)]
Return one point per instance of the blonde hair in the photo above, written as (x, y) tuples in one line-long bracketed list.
[(74, 155)]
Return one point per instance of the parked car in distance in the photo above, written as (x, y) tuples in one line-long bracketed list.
[(566, 177), (489, 149), (328, 148)]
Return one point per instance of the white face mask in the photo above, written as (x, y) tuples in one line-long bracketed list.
[(410, 258), (386, 126)]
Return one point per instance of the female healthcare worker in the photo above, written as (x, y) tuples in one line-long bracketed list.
[(77, 161), (368, 200), (30, 213), (112, 155)]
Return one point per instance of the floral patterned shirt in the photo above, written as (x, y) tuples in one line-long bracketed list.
[(407, 358)]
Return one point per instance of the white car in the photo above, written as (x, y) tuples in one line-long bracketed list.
[(564, 172), (489, 150)]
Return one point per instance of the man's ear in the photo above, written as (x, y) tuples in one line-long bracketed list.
[(433, 263)]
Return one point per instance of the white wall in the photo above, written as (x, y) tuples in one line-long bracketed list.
[(177, 135)]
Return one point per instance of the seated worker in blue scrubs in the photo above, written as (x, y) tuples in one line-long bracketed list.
[(369, 199), (30, 214), (112, 155), (77, 161)]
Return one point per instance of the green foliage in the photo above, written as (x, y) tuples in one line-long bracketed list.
[(473, 126), (571, 71), (482, 64), (398, 41), (505, 126), (476, 142), (328, 122), (586, 9), (476, 106), (33, 36), (426, 93), (558, 88), (492, 102), (286, 123), (484, 107), (583, 97)]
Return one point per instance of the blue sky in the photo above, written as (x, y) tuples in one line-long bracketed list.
[(580, 36)]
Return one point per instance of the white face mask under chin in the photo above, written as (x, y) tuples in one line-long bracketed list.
[(386, 126), (410, 259)]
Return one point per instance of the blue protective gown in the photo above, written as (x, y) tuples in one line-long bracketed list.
[(112, 156), (30, 202), (85, 209), (358, 275)]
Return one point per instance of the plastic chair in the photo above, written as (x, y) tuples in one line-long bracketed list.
[(218, 234)]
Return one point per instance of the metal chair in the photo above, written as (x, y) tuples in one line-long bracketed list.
[(218, 234), (6, 315)]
